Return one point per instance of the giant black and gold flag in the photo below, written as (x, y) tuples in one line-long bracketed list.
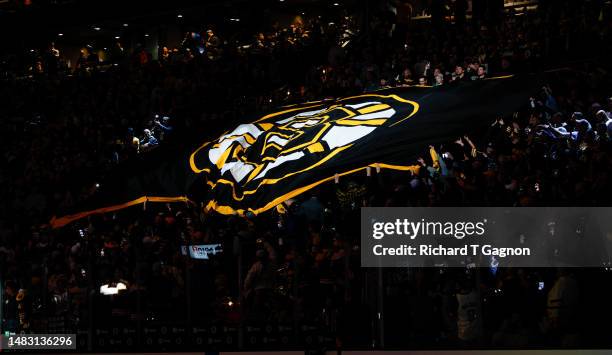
[(259, 164)]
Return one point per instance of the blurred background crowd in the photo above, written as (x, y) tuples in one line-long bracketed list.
[(66, 123)]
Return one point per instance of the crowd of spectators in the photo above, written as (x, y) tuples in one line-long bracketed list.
[(60, 127)]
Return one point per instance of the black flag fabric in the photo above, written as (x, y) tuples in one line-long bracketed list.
[(255, 166), (258, 165), (160, 175)]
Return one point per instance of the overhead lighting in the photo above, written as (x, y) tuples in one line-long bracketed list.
[(117, 37), (179, 16), (146, 35), (60, 34), (336, 4), (97, 28), (125, 25)]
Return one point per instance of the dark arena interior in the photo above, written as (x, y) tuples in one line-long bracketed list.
[(192, 176)]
